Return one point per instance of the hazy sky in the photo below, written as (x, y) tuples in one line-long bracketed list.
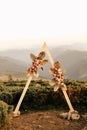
[(31, 22)]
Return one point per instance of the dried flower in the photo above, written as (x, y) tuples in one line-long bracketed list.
[(37, 63), (57, 73)]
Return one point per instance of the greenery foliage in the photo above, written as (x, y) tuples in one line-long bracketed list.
[(40, 93), (3, 112), (5, 109)]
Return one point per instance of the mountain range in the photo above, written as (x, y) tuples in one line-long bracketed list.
[(73, 61)]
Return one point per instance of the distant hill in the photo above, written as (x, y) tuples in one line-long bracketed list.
[(20, 54), (74, 62), (12, 66)]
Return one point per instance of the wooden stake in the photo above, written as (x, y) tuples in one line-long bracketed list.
[(67, 100), (48, 53), (63, 89), (16, 111)]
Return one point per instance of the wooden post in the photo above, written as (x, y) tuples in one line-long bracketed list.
[(67, 99), (48, 53), (16, 111), (63, 89), (72, 113)]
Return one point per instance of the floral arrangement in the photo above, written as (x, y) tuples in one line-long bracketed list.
[(58, 75), (37, 62)]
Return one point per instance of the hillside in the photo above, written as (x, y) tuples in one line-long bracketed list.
[(16, 62), (19, 54), (12, 66), (74, 63)]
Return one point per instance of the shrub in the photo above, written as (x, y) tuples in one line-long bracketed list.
[(40, 94), (6, 97), (3, 112), (5, 109), (1, 88)]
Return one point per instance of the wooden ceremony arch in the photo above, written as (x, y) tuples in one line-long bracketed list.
[(72, 114)]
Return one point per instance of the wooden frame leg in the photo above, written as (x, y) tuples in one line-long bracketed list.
[(16, 111), (67, 100), (72, 114)]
